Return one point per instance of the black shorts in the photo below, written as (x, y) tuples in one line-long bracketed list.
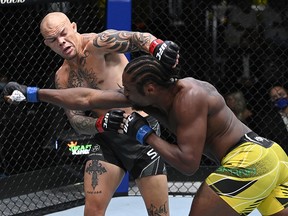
[(139, 160)]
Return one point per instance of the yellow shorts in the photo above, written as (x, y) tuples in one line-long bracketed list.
[(253, 176)]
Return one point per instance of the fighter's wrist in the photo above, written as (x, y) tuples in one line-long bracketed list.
[(143, 132), (32, 94), (154, 44), (98, 124)]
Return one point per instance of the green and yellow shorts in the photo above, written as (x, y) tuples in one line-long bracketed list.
[(253, 175)]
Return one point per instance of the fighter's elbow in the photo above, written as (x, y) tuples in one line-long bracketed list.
[(190, 167), (189, 171)]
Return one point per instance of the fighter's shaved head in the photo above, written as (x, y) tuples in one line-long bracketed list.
[(52, 20)]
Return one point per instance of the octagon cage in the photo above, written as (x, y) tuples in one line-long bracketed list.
[(238, 46)]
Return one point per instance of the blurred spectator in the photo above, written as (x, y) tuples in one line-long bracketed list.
[(242, 21), (242, 38), (238, 105), (273, 21), (275, 121)]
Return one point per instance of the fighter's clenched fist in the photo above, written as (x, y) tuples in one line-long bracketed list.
[(137, 127), (167, 52), (13, 92), (111, 121)]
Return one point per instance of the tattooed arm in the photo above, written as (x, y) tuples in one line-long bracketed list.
[(123, 41), (78, 119)]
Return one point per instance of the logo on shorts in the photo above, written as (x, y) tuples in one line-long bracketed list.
[(95, 148), (240, 172), (152, 153)]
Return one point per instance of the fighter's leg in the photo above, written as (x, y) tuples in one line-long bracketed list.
[(207, 203), (101, 180), (154, 190), (282, 213)]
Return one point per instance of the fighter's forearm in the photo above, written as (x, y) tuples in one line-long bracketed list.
[(81, 123), (124, 41), (172, 154), (83, 98)]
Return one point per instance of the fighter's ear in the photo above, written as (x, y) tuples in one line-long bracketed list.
[(149, 88), (74, 26)]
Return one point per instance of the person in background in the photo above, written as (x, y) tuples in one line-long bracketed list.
[(237, 103), (275, 120)]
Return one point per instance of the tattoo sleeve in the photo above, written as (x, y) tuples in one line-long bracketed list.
[(123, 41), (81, 123)]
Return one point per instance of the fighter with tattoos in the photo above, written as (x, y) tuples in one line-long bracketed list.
[(97, 60)]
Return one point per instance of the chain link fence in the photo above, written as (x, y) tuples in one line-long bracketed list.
[(239, 46)]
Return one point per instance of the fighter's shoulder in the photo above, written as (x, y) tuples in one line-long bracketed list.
[(62, 76), (88, 38), (192, 86), (194, 93)]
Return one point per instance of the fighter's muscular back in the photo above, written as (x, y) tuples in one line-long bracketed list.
[(197, 114), (209, 121)]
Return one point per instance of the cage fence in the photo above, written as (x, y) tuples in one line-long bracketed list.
[(238, 46)]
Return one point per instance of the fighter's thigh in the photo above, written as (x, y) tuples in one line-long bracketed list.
[(207, 203), (277, 201), (101, 179), (154, 190)]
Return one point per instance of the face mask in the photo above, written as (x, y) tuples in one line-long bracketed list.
[(281, 103)]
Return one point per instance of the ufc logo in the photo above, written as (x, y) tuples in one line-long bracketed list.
[(106, 118), (161, 50), (129, 119)]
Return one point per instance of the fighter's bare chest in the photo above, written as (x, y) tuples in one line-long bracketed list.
[(84, 77)]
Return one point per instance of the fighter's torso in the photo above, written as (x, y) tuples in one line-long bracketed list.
[(92, 69), (223, 128)]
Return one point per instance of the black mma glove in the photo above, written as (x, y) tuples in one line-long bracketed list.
[(137, 127), (154, 124), (111, 121), (165, 51), (13, 92)]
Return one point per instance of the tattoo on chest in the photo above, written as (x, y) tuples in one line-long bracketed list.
[(95, 169), (82, 78), (83, 75)]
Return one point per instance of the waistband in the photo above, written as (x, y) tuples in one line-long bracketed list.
[(253, 138)]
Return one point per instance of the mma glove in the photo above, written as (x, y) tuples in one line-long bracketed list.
[(165, 51), (137, 127), (111, 121), (14, 92)]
